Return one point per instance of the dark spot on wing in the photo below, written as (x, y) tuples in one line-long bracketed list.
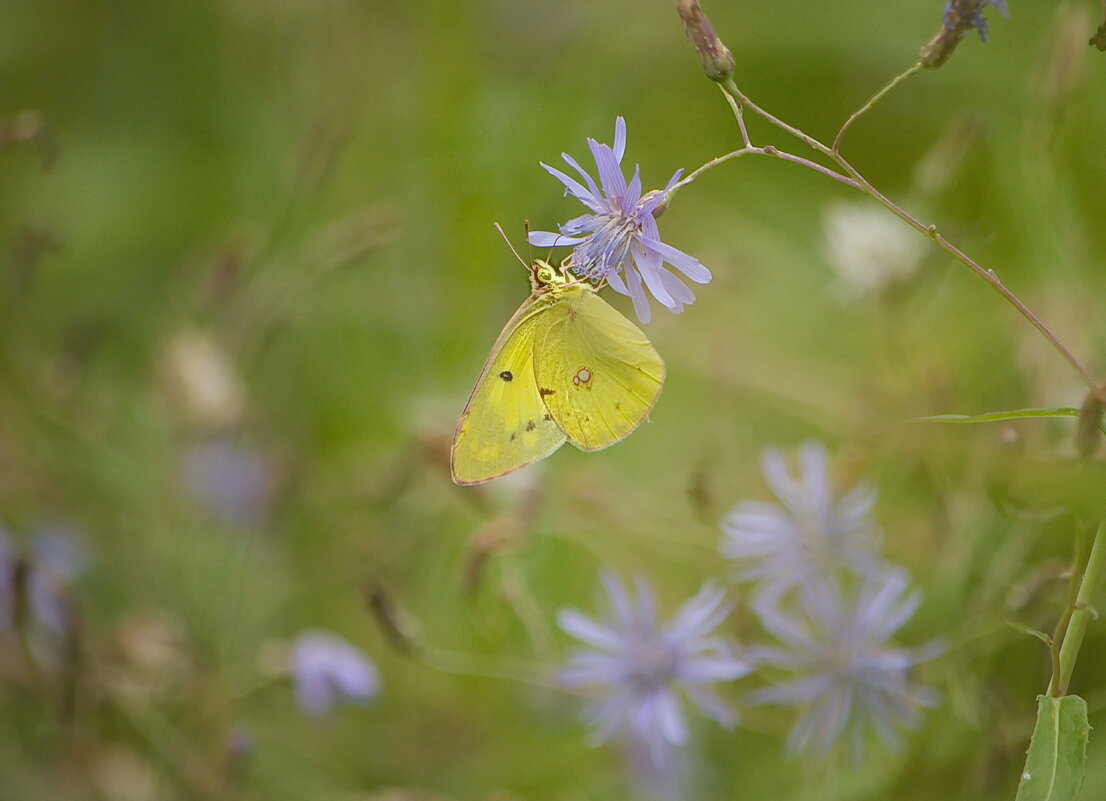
[(618, 405), (506, 375), (547, 417), (543, 391), (514, 437), (531, 425)]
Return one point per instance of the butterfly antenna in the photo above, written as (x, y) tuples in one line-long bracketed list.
[(499, 228), (549, 256), (526, 228)]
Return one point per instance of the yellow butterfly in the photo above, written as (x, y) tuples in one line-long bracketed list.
[(566, 366)]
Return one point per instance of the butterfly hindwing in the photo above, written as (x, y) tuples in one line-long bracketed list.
[(505, 425), (596, 371)]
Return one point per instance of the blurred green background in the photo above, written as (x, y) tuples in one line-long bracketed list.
[(249, 275)]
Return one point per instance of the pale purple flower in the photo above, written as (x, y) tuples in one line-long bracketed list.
[(848, 676), (806, 536), (232, 482), (619, 240), (641, 667), (328, 670)]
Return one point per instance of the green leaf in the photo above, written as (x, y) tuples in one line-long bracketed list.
[(1054, 764), (1032, 632), (993, 417)]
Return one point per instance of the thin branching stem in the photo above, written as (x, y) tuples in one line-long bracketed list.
[(860, 112), (739, 115), (767, 150), (853, 177)]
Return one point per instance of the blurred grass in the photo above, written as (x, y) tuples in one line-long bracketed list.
[(313, 187)]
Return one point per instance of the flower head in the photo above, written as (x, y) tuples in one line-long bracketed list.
[(848, 675), (619, 240), (641, 666), (716, 58), (960, 15), (808, 534), (328, 670)]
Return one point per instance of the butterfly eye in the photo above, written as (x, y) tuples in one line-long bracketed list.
[(545, 273)]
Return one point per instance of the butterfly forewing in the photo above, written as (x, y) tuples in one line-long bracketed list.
[(596, 371), (505, 425)]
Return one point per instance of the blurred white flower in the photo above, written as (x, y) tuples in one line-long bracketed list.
[(328, 670), (641, 667), (848, 675), (1051, 381), (808, 535), (869, 248), (202, 379)]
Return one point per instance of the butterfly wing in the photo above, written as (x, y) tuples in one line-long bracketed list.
[(505, 425), (597, 372)]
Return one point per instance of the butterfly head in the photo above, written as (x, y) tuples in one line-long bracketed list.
[(544, 275)]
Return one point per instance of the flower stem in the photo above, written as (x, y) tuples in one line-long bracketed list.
[(872, 102), (1081, 611), (854, 178), (767, 150), (1060, 631), (739, 115)]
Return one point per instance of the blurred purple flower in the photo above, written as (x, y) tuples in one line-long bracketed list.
[(231, 481), (641, 666), (619, 241), (328, 670), (963, 14), (9, 562), (809, 535), (57, 559), (53, 561), (848, 674)]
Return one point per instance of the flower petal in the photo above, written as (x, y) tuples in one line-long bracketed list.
[(583, 173), (678, 290), (620, 131), (677, 258), (551, 239), (649, 266), (610, 173), (637, 294), (632, 195), (587, 630), (576, 189), (615, 282)]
